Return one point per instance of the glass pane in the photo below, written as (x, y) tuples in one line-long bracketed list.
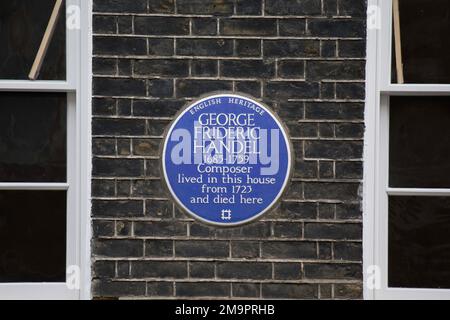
[(419, 242), (22, 27), (32, 236), (424, 28), (33, 137), (419, 144)]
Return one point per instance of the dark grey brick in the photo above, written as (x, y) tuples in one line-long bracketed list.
[(104, 24), (106, 288), (119, 46), (285, 48), (248, 48), (118, 87), (247, 68), (204, 26), (156, 108), (204, 47), (348, 211), (162, 67), (334, 149), (160, 47), (349, 170), (333, 231), (159, 228), (293, 7), (195, 88), (246, 290), (336, 70), (331, 110), (103, 188), (146, 147), (245, 249), (161, 6), (348, 291), (291, 69), (104, 146), (333, 271), (350, 91), (296, 210), (248, 27), (102, 228), (249, 7), (103, 269), (255, 230), (117, 208), (117, 167), (289, 250), (287, 230), (244, 270), (159, 289), (352, 48), (350, 251), (161, 26), (118, 248), (332, 191), (204, 68), (285, 90), (203, 289), (119, 6), (162, 88), (103, 106), (158, 208), (339, 28), (328, 50), (202, 270), (292, 27), (158, 269), (125, 24), (352, 8), (252, 88), (204, 249), (214, 7), (289, 291), (287, 271), (158, 248)]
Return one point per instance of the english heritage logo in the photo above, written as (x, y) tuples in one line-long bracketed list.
[(226, 159)]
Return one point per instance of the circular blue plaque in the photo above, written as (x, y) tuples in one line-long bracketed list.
[(226, 159)]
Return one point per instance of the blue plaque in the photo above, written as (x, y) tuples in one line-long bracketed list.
[(226, 159)]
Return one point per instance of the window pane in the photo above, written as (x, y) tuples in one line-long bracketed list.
[(33, 137), (22, 27), (419, 142), (419, 242), (32, 236), (424, 26)]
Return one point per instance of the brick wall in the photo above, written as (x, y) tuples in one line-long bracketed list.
[(305, 59)]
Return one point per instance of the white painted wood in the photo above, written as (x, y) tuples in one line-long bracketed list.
[(418, 192), (369, 188), (34, 186), (36, 291), (416, 89), (36, 86), (84, 95), (376, 158), (78, 88), (384, 41)]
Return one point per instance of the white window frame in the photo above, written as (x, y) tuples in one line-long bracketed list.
[(78, 88), (376, 158)]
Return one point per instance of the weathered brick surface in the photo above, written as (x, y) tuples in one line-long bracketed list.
[(306, 60)]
